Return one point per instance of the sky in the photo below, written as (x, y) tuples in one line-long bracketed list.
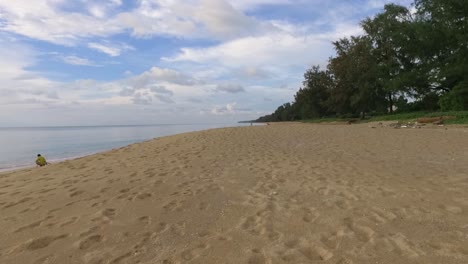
[(119, 62)]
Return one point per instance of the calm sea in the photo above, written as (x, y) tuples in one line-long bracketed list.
[(19, 146)]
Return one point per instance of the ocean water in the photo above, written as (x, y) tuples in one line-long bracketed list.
[(20, 146)]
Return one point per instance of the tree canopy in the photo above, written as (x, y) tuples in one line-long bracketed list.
[(406, 60)]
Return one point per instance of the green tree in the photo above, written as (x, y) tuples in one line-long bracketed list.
[(421, 55), (391, 34), (443, 27), (310, 101), (356, 87)]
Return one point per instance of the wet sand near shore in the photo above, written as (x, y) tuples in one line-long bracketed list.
[(287, 193)]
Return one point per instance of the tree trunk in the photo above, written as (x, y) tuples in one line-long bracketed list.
[(390, 101), (363, 115)]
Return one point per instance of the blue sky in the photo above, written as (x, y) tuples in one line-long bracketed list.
[(90, 62)]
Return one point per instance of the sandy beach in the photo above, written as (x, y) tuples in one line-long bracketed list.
[(287, 193)]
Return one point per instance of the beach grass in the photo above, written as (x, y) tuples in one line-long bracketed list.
[(458, 117)]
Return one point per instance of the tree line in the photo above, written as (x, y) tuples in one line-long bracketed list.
[(406, 60)]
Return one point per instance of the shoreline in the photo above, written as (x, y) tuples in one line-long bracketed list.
[(54, 161), (22, 167), (291, 193), (57, 160)]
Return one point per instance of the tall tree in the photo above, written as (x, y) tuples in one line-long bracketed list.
[(310, 101), (443, 25), (390, 34), (356, 87)]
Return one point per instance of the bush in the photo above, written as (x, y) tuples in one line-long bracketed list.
[(451, 102)]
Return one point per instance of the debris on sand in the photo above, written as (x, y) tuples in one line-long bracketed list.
[(435, 120), (416, 124)]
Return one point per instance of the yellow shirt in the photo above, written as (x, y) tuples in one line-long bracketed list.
[(41, 161)]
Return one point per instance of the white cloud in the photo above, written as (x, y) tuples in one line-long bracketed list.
[(158, 75), (159, 89), (276, 49), (250, 72), (221, 20), (158, 94), (113, 50), (142, 97), (74, 60), (227, 109), (213, 19), (253, 4), (230, 88), (18, 84), (43, 20), (379, 4), (116, 2), (164, 99), (46, 20), (100, 8)]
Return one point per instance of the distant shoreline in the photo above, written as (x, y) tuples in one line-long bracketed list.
[(103, 126)]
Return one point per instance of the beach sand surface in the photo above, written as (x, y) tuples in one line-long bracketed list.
[(288, 193)]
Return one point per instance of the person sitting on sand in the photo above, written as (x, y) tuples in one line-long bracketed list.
[(41, 161)]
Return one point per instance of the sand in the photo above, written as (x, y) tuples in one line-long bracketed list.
[(292, 193)]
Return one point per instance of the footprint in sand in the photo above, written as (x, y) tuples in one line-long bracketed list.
[(345, 261), (30, 226), (258, 258), (334, 239), (315, 253), (252, 224), (105, 215), (343, 204), (203, 206), (104, 190), (404, 246), (362, 233), (381, 216), (310, 215), (109, 212), (190, 254), (205, 233), (169, 261), (101, 203), (451, 208), (42, 242), (306, 249), (70, 221), (125, 190), (89, 231), (157, 183), (174, 205), (46, 260), (142, 196), (161, 227), (89, 242), (146, 220), (24, 200), (44, 191), (178, 228), (121, 258)]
